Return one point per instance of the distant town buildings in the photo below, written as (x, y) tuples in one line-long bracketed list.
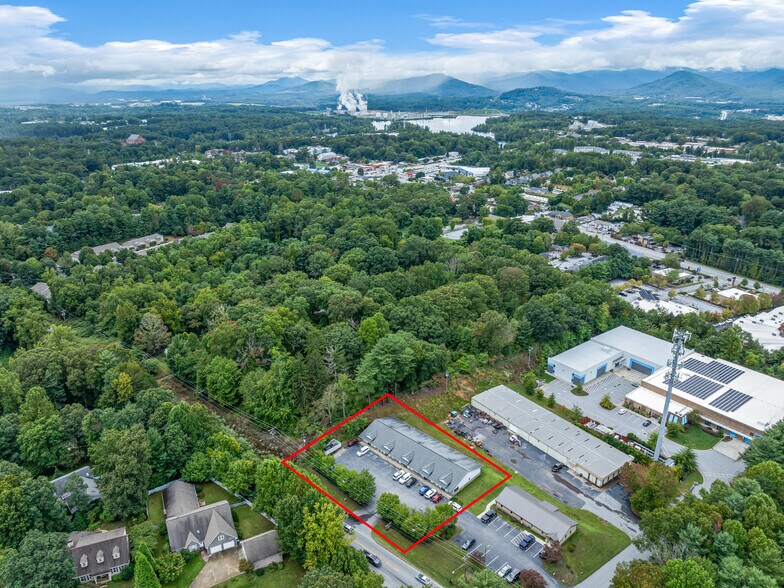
[(134, 139)]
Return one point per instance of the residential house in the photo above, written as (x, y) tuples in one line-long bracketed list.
[(194, 527), (90, 482), (134, 139), (99, 555), (262, 550)]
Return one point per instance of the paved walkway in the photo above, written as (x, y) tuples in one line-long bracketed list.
[(219, 568)]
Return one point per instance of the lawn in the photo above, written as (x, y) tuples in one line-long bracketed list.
[(250, 522), (155, 516), (290, 575), (695, 438), (689, 480), (192, 569), (211, 493)]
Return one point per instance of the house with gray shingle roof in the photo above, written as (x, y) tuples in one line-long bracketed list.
[(99, 554), (262, 550), (90, 486), (194, 527)]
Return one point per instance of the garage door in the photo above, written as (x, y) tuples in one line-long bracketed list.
[(601, 371), (640, 367), (216, 549)]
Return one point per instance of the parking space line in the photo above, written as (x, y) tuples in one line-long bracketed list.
[(474, 549), (492, 560), (511, 530)]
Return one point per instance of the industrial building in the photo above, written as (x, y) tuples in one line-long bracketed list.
[(730, 398), (421, 454), (620, 347), (541, 517), (586, 455)]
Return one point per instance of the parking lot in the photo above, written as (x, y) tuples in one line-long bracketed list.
[(382, 471), (498, 541)]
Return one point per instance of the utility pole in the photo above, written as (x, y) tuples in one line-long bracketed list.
[(446, 375), (679, 339)]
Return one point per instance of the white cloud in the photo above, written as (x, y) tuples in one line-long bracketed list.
[(450, 22), (709, 34)]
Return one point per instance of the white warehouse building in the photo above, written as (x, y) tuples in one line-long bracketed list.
[(620, 347), (584, 454)]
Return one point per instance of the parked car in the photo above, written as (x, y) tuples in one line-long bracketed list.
[(488, 516), (423, 490), (422, 579), (411, 482), (504, 570), (429, 494), (438, 497), (348, 527), (467, 543), (352, 442), (557, 467), (373, 560), (455, 506), (623, 411), (404, 478), (397, 474), (363, 450), (513, 576), (647, 423), (526, 541)]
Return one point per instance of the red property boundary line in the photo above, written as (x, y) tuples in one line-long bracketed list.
[(286, 463)]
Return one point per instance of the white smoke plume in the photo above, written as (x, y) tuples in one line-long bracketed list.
[(353, 102)]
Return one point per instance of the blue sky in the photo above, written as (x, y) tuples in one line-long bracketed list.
[(340, 21), (94, 44)]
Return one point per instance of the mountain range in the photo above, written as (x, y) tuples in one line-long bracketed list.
[(681, 85)]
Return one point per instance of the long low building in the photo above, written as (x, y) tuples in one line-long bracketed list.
[(619, 347), (541, 517), (429, 459), (586, 455), (730, 398)]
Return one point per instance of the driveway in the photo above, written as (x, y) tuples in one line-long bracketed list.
[(219, 568)]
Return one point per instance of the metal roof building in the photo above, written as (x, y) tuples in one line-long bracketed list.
[(540, 516), (729, 397), (618, 347), (583, 453), (420, 453)]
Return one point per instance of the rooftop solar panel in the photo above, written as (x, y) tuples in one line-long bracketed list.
[(731, 401), (715, 369), (698, 386)]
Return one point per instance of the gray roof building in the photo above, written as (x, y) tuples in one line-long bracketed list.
[(179, 498), (420, 453), (193, 527), (542, 517), (99, 553), (42, 289), (262, 550), (90, 481), (585, 454)]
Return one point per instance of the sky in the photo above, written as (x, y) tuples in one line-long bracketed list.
[(95, 44)]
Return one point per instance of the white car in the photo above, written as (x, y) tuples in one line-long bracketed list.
[(623, 411), (424, 580), (397, 474), (455, 506), (363, 450), (404, 478), (429, 494)]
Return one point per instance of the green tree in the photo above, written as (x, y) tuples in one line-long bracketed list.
[(144, 574), (687, 460), (222, 376), (484, 578), (122, 461), (42, 561), (152, 335), (767, 448), (637, 574), (322, 534), (390, 361), (169, 567), (41, 443), (691, 573), (36, 406), (372, 329), (363, 487), (10, 392)]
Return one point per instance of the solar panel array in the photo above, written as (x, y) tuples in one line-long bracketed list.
[(698, 386), (716, 370), (731, 401)]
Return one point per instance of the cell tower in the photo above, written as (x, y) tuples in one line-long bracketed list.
[(679, 339)]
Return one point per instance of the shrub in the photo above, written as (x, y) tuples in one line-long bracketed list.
[(169, 567), (245, 566), (606, 403)]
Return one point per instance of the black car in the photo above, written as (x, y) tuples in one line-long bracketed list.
[(557, 467), (646, 424), (467, 543), (411, 482), (373, 560), (526, 541), (488, 516)]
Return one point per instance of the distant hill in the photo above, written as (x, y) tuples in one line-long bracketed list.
[(540, 98), (683, 85), (587, 82), (432, 85)]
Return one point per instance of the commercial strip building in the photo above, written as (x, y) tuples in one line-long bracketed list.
[(584, 454), (730, 398), (765, 328), (541, 517), (648, 402), (421, 454), (619, 347)]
